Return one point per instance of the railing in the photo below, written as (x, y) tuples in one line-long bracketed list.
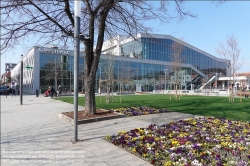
[(208, 82), (193, 80)]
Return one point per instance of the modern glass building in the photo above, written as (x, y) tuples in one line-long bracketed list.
[(144, 63), (160, 48)]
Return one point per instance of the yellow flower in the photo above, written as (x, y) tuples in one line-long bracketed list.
[(141, 132), (168, 163), (245, 131), (175, 142), (183, 134), (188, 143), (141, 137), (156, 138), (134, 139), (122, 132)]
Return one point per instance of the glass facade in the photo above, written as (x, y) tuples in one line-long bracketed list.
[(160, 49), (58, 70), (126, 72), (145, 63)]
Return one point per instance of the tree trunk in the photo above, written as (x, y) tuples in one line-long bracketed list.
[(176, 93), (90, 105), (170, 91), (108, 92)]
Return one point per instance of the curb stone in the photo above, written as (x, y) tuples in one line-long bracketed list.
[(70, 120)]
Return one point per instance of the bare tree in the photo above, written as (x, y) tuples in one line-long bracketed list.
[(177, 60), (109, 77), (55, 69), (122, 78), (231, 51), (47, 20)]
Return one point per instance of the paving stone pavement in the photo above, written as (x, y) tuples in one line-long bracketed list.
[(32, 134)]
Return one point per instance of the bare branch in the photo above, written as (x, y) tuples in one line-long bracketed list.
[(231, 51), (45, 21)]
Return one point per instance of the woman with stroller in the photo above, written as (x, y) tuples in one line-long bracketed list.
[(52, 91)]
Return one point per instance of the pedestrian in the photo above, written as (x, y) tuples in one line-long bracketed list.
[(52, 91), (59, 90), (13, 90)]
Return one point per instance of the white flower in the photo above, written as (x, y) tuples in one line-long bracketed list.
[(196, 163), (232, 162), (209, 152), (183, 160), (173, 148)]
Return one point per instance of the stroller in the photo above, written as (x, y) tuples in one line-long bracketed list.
[(46, 94)]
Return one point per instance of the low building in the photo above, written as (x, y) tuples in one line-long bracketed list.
[(9, 67), (6, 76), (144, 63)]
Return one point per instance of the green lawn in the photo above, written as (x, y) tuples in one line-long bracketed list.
[(198, 105)]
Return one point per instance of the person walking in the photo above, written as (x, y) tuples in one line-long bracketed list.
[(52, 91), (59, 90)]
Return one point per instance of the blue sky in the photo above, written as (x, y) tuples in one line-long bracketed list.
[(211, 27)]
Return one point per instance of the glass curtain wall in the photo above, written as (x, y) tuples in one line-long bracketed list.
[(125, 75), (160, 49), (58, 70)]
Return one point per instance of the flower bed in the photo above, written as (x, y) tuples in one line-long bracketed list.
[(135, 111), (190, 142)]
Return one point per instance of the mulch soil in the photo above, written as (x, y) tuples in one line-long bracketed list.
[(82, 116)]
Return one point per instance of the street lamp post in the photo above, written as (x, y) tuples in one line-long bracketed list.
[(21, 82), (76, 64), (165, 70)]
